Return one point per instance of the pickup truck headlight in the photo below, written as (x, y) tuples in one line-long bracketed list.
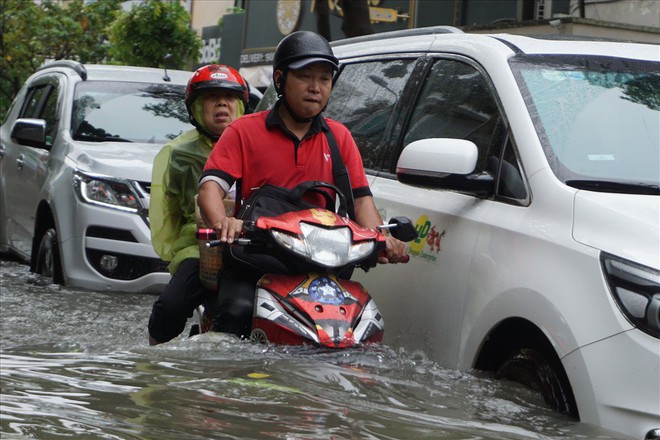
[(636, 289), (105, 191)]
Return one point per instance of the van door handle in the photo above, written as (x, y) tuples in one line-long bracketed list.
[(20, 161), (2, 151)]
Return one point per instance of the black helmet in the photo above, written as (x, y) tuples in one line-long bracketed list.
[(300, 48)]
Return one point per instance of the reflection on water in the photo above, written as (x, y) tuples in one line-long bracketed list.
[(76, 364)]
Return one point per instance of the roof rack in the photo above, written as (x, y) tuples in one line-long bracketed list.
[(77, 67), (399, 33)]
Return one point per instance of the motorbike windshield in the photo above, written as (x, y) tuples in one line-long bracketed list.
[(598, 119), (112, 111)]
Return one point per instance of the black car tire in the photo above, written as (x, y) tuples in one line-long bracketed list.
[(48, 257), (258, 337), (534, 370)]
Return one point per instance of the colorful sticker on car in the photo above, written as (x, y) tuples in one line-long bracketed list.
[(427, 244)]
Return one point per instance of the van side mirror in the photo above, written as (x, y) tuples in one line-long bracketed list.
[(444, 164)]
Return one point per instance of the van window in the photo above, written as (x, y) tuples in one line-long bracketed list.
[(364, 98), (510, 183), (598, 118), (456, 102)]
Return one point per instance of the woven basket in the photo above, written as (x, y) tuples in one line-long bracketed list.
[(210, 259), (210, 263)]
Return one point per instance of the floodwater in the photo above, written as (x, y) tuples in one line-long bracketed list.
[(76, 364)]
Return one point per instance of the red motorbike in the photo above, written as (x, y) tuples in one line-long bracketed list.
[(314, 304)]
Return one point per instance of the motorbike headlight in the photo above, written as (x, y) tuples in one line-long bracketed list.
[(106, 191), (636, 289), (328, 247)]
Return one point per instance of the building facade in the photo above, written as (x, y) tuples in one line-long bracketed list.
[(247, 39)]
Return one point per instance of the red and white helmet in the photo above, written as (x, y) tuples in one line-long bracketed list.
[(215, 77)]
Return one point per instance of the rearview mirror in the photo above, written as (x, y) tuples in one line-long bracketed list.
[(404, 229), (30, 132), (444, 164)]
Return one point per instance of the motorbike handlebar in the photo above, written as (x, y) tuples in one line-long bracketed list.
[(245, 241), (216, 243), (210, 236), (213, 243), (400, 228), (406, 258)]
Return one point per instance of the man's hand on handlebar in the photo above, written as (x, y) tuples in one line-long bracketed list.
[(395, 251), (228, 229)]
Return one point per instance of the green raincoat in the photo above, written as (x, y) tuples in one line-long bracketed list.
[(174, 179)]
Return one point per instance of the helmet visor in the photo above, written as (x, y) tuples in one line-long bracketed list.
[(299, 64)]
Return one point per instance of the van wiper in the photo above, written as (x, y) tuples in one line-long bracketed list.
[(615, 187), (97, 138)]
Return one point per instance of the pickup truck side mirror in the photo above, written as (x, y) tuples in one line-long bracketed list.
[(30, 132)]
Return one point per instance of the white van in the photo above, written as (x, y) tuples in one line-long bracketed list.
[(531, 168)]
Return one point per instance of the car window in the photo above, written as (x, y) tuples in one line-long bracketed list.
[(364, 98), (510, 183), (268, 100), (33, 101), (41, 103), (598, 118), (457, 102), (49, 113), (129, 112)]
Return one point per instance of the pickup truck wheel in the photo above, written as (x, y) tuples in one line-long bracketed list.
[(48, 257), (534, 370)]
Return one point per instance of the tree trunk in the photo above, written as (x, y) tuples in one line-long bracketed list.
[(356, 18), (323, 19)]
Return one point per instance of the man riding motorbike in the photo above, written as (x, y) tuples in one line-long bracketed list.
[(283, 146), (215, 96)]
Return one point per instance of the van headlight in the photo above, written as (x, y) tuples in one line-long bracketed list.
[(330, 247), (105, 191), (636, 289)]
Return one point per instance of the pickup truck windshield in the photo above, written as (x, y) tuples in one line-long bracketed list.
[(112, 111)]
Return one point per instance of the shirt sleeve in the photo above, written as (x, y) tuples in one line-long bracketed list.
[(224, 165)]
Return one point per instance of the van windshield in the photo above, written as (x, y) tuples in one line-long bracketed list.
[(113, 111), (597, 118)]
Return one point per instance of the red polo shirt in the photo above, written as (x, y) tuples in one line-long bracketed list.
[(258, 149)]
